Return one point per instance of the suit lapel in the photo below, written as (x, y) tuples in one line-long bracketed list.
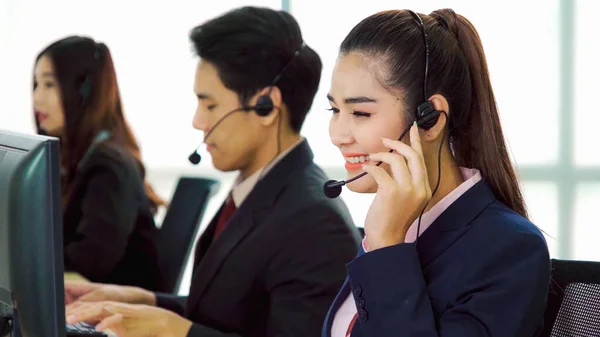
[(211, 260), (453, 222), (260, 200)]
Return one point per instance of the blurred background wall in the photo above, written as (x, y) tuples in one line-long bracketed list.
[(541, 53)]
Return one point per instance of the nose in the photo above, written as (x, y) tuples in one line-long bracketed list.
[(340, 131), (200, 121)]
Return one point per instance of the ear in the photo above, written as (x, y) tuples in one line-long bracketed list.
[(441, 104), (277, 99)]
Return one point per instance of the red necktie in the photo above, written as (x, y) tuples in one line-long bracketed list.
[(351, 325), (226, 213)]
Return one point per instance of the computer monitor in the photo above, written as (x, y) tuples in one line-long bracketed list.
[(31, 253)]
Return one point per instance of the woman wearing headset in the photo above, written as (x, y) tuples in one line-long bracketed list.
[(478, 266), (109, 230)]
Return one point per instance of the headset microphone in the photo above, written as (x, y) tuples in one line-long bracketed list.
[(195, 157)]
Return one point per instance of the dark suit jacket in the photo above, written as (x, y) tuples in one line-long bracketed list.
[(479, 270), (109, 232), (279, 262)]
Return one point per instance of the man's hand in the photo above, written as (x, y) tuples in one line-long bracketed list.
[(128, 320), (80, 291)]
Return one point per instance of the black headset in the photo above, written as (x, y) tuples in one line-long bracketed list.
[(85, 90), (426, 117), (264, 105)]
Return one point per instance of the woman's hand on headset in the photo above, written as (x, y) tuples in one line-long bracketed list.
[(401, 196)]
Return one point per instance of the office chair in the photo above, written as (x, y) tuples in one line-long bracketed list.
[(362, 231), (181, 225), (573, 308)]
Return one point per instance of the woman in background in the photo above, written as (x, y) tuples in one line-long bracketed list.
[(109, 230), (413, 92)]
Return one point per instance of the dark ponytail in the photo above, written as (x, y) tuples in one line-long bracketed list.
[(458, 71), (480, 142)]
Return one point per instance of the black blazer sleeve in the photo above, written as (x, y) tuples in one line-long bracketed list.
[(302, 274), (108, 217), (503, 297), (306, 270), (174, 303)]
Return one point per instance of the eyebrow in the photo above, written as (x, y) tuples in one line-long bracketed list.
[(354, 100), (47, 74), (203, 95)]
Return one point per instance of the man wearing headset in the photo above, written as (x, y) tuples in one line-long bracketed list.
[(272, 259)]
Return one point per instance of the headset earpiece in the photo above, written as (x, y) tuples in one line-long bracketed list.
[(85, 89), (264, 105), (427, 115)]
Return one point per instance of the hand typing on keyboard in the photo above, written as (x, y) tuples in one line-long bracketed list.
[(128, 320), (96, 292), (83, 329)]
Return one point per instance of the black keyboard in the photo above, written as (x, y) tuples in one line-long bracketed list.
[(83, 329)]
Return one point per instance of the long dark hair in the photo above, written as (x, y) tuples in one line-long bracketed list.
[(91, 102), (458, 71)]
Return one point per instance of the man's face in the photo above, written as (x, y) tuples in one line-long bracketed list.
[(236, 141)]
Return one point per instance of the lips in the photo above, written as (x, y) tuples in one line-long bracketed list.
[(41, 116), (355, 161)]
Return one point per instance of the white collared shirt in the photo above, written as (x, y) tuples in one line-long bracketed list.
[(241, 188)]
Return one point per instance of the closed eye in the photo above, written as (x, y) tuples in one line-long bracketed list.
[(334, 110), (361, 114)]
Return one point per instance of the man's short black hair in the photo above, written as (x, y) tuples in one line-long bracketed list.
[(249, 46)]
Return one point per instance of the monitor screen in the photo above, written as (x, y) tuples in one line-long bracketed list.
[(31, 261)]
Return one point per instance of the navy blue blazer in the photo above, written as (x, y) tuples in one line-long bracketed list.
[(479, 270)]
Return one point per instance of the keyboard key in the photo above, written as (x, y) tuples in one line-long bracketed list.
[(83, 330)]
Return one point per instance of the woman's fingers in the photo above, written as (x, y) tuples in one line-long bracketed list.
[(415, 140), (413, 156), (396, 163), (382, 178), (417, 145)]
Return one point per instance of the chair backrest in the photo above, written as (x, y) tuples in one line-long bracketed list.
[(180, 227), (573, 307), (362, 231)]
